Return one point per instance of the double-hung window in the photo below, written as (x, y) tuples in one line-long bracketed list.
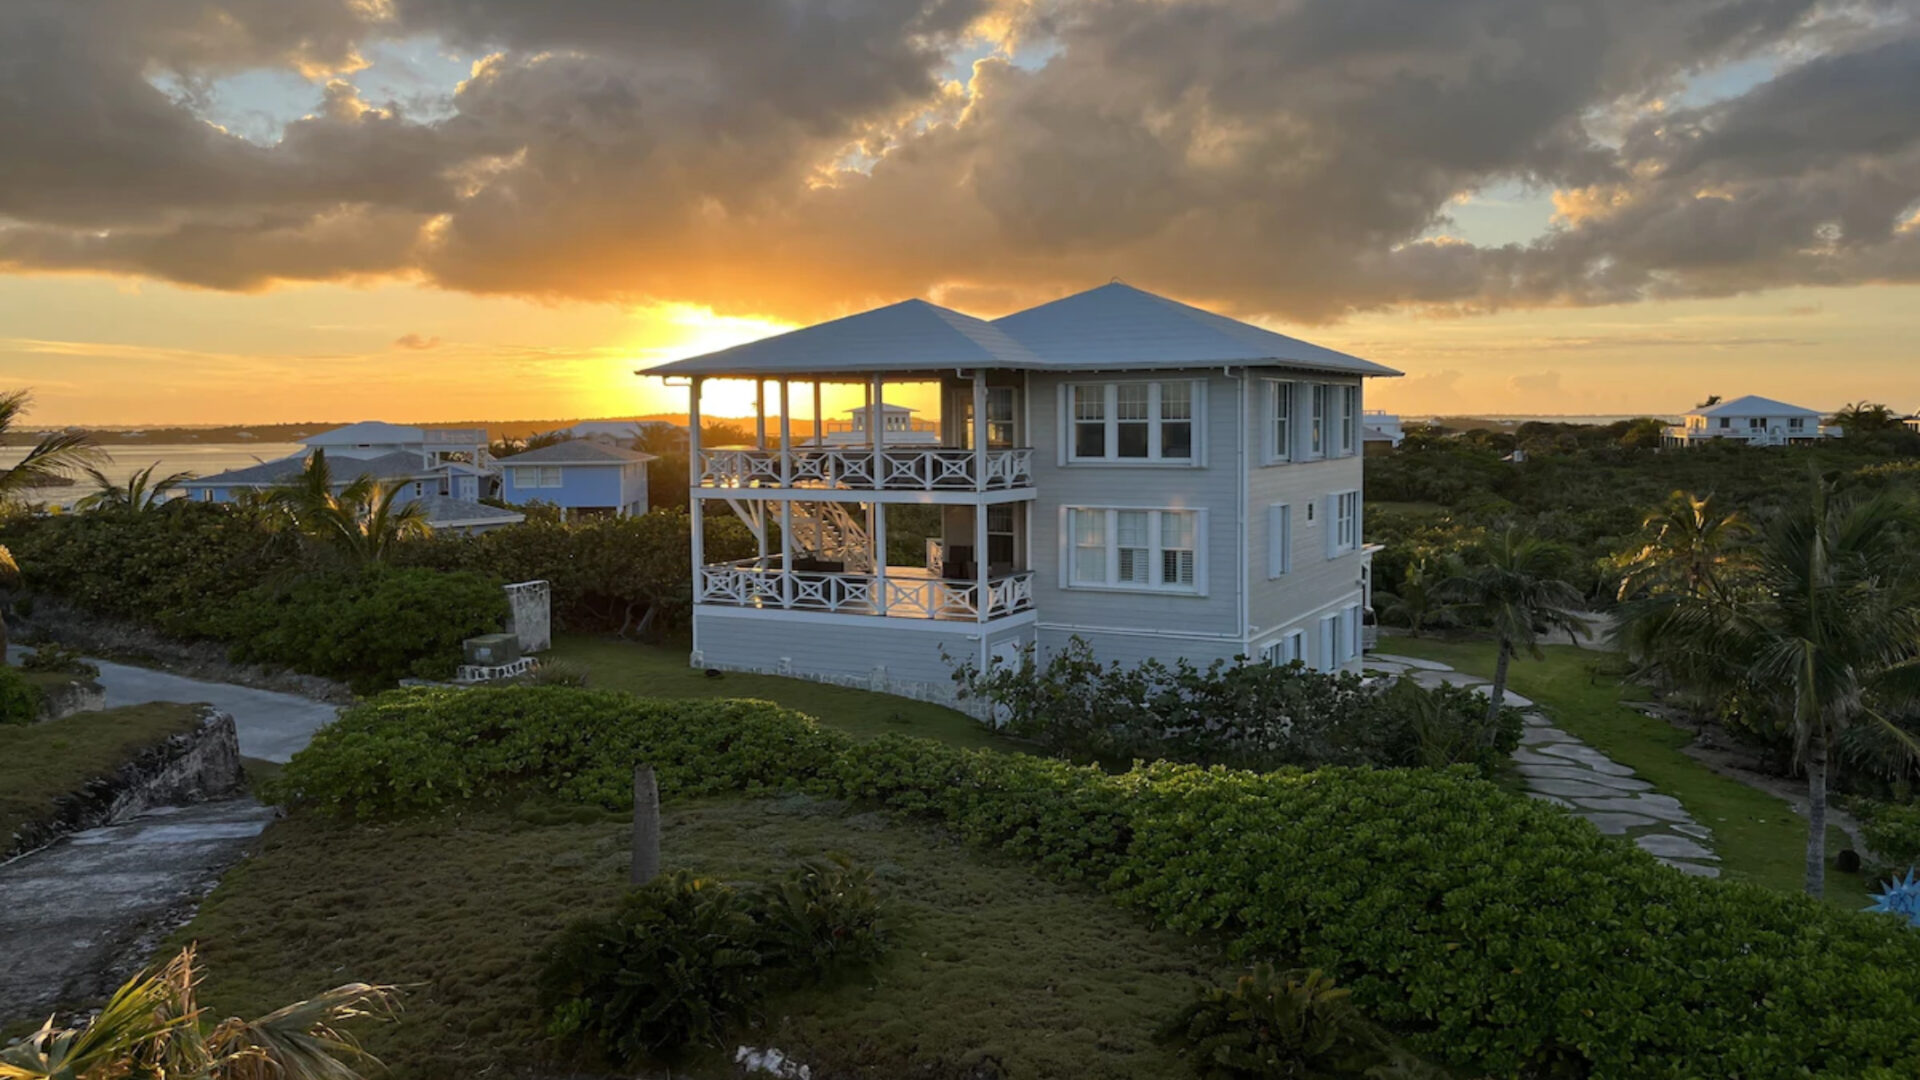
[(1279, 420), (1348, 420), (1317, 422), (1346, 523), (1134, 549), (1133, 422), (536, 476), (1279, 540)]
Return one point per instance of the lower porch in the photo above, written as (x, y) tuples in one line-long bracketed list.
[(813, 584)]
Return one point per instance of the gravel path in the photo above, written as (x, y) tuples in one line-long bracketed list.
[(1562, 770)]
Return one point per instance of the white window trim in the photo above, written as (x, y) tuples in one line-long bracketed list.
[(1317, 394), (1281, 394), (1335, 546), (1326, 649), (1111, 534), (1285, 649), (1279, 540), (1110, 390)]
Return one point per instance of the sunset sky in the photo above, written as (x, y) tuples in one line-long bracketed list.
[(290, 210)]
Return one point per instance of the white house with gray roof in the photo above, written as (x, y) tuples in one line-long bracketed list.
[(1156, 479), (1753, 420)]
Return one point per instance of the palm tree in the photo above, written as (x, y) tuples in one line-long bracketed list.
[(54, 458), (1829, 620), (1510, 582), (1865, 417), (154, 1026), (360, 519), (140, 493), (1416, 603), (1688, 546)]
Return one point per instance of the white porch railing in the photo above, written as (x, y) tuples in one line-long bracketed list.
[(859, 468), (751, 583)]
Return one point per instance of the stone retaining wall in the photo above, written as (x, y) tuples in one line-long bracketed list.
[(78, 696), (187, 768)]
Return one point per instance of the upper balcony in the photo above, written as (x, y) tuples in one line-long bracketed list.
[(862, 468)]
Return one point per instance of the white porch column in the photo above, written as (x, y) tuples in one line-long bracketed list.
[(786, 553), (979, 429), (760, 413), (877, 430), (786, 438), (879, 539), (819, 423), (694, 472), (980, 559)]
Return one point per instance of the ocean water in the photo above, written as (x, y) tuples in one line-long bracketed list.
[(200, 459)]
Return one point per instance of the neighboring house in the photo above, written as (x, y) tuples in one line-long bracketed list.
[(1156, 479), (902, 429), (580, 476), (446, 470), (1756, 421), (627, 433), (1381, 431), (1912, 423)]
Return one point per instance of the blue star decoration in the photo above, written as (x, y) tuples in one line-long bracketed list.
[(1901, 897)]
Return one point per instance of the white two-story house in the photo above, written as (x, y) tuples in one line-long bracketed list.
[(1156, 479), (1753, 420)]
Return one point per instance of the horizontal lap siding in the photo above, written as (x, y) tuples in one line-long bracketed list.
[(1213, 488)]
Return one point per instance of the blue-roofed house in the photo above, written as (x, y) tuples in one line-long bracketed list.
[(580, 476)]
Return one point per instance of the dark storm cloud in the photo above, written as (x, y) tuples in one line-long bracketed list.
[(1284, 157)]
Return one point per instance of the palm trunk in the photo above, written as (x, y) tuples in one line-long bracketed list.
[(1817, 811), (1498, 696), (4, 640)]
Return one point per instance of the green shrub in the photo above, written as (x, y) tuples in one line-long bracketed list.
[(822, 918), (1286, 1025), (556, 673), (1494, 932), (371, 627), (675, 965), (1245, 715), (684, 958), (1891, 831), (19, 699), (58, 660)]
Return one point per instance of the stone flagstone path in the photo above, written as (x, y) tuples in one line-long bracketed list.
[(1562, 770)]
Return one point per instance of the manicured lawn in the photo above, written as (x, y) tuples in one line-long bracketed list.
[(989, 960), (1756, 835), (662, 671), (39, 763)]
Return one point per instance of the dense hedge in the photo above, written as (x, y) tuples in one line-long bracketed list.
[(1495, 932), (371, 627)]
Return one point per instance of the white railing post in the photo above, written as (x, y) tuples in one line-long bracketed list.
[(786, 437), (760, 414), (878, 537), (698, 520), (877, 429), (979, 429), (786, 553), (981, 598)]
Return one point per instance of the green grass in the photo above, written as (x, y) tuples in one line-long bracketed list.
[(989, 961), (1756, 835), (661, 671), (39, 763)]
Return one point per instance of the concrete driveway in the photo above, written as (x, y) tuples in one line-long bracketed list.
[(271, 726)]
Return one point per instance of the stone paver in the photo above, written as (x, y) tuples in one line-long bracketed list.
[(1558, 768)]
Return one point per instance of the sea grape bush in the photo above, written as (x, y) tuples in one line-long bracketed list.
[(1287, 1025), (1494, 933), (1245, 715)]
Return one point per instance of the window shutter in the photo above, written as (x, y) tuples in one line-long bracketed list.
[(1200, 559), (1332, 529), (1278, 540), (1066, 545)]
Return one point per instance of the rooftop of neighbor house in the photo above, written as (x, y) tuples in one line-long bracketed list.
[(576, 452), (399, 465), (448, 513), (1753, 405), (1113, 327)]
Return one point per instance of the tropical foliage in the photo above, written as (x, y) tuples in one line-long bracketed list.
[(1247, 715), (1501, 936), (1286, 1025), (362, 520), (153, 1026), (1816, 627), (685, 958), (1510, 583), (52, 460), (140, 493)]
